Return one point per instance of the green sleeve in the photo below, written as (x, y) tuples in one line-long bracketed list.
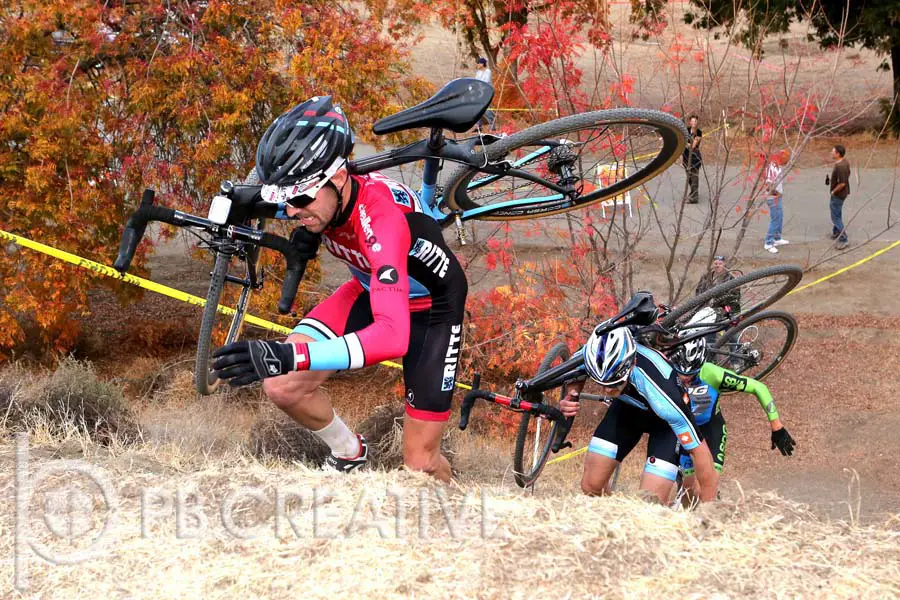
[(728, 381)]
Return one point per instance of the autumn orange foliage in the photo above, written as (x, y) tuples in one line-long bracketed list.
[(103, 99)]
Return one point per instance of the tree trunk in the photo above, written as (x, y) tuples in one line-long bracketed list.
[(895, 69)]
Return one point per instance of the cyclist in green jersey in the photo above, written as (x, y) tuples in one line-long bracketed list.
[(704, 382)]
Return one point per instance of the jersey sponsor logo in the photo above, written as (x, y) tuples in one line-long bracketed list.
[(432, 256), (700, 400), (734, 382), (354, 257), (401, 196), (451, 359), (388, 274), (720, 455), (686, 438), (366, 222), (411, 398)]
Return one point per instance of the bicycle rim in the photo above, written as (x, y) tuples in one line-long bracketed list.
[(613, 151), (746, 295), (535, 435), (757, 346)]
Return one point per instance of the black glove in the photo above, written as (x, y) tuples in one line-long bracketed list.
[(243, 363), (306, 242), (782, 440)]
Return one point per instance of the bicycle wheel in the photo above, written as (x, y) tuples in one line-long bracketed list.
[(204, 379), (745, 295), (535, 436), (609, 152), (757, 346)]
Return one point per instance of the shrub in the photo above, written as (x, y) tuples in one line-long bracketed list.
[(71, 397)]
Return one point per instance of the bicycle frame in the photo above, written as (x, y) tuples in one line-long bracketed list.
[(437, 149)]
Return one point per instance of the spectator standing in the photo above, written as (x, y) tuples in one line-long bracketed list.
[(692, 159), (718, 274), (839, 185), (483, 73), (775, 201)]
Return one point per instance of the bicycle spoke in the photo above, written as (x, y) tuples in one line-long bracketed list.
[(756, 349)]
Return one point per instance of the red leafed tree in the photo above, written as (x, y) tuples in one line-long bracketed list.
[(101, 99)]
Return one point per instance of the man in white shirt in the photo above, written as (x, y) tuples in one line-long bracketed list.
[(483, 73), (775, 201)]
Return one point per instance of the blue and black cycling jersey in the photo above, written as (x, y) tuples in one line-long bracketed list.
[(704, 401), (654, 386)]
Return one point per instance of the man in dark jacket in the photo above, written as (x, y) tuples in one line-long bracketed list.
[(839, 185), (718, 274), (692, 159)]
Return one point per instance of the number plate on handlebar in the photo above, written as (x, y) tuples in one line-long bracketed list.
[(219, 210)]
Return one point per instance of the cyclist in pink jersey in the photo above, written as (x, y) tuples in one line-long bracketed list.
[(405, 298)]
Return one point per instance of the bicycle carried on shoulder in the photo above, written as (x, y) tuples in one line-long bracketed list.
[(550, 168), (543, 429)]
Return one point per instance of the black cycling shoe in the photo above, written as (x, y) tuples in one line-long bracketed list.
[(345, 465)]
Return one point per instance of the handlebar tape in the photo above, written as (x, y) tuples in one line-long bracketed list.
[(559, 440), (135, 227), (467, 404)]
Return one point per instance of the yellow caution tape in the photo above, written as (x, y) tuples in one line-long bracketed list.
[(571, 454), (845, 269), (132, 279), (165, 290)]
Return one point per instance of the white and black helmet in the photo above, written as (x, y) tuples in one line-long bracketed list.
[(609, 357), (304, 144), (689, 357)]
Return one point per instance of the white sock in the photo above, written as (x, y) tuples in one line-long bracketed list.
[(342, 441)]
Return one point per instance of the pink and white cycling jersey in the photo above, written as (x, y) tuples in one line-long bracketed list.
[(399, 261)]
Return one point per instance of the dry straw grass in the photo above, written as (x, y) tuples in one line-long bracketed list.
[(385, 533), (275, 436), (72, 398), (512, 546)]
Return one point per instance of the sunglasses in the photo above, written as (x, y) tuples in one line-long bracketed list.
[(722, 258), (303, 193)]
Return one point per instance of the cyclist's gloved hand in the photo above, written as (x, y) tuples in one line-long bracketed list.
[(243, 363), (305, 242), (782, 440)]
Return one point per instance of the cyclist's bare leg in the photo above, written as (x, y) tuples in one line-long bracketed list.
[(691, 486), (656, 485), (705, 472), (598, 470), (422, 447), (300, 395)]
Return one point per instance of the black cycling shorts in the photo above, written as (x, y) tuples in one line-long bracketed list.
[(620, 431), (435, 341), (716, 436)]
